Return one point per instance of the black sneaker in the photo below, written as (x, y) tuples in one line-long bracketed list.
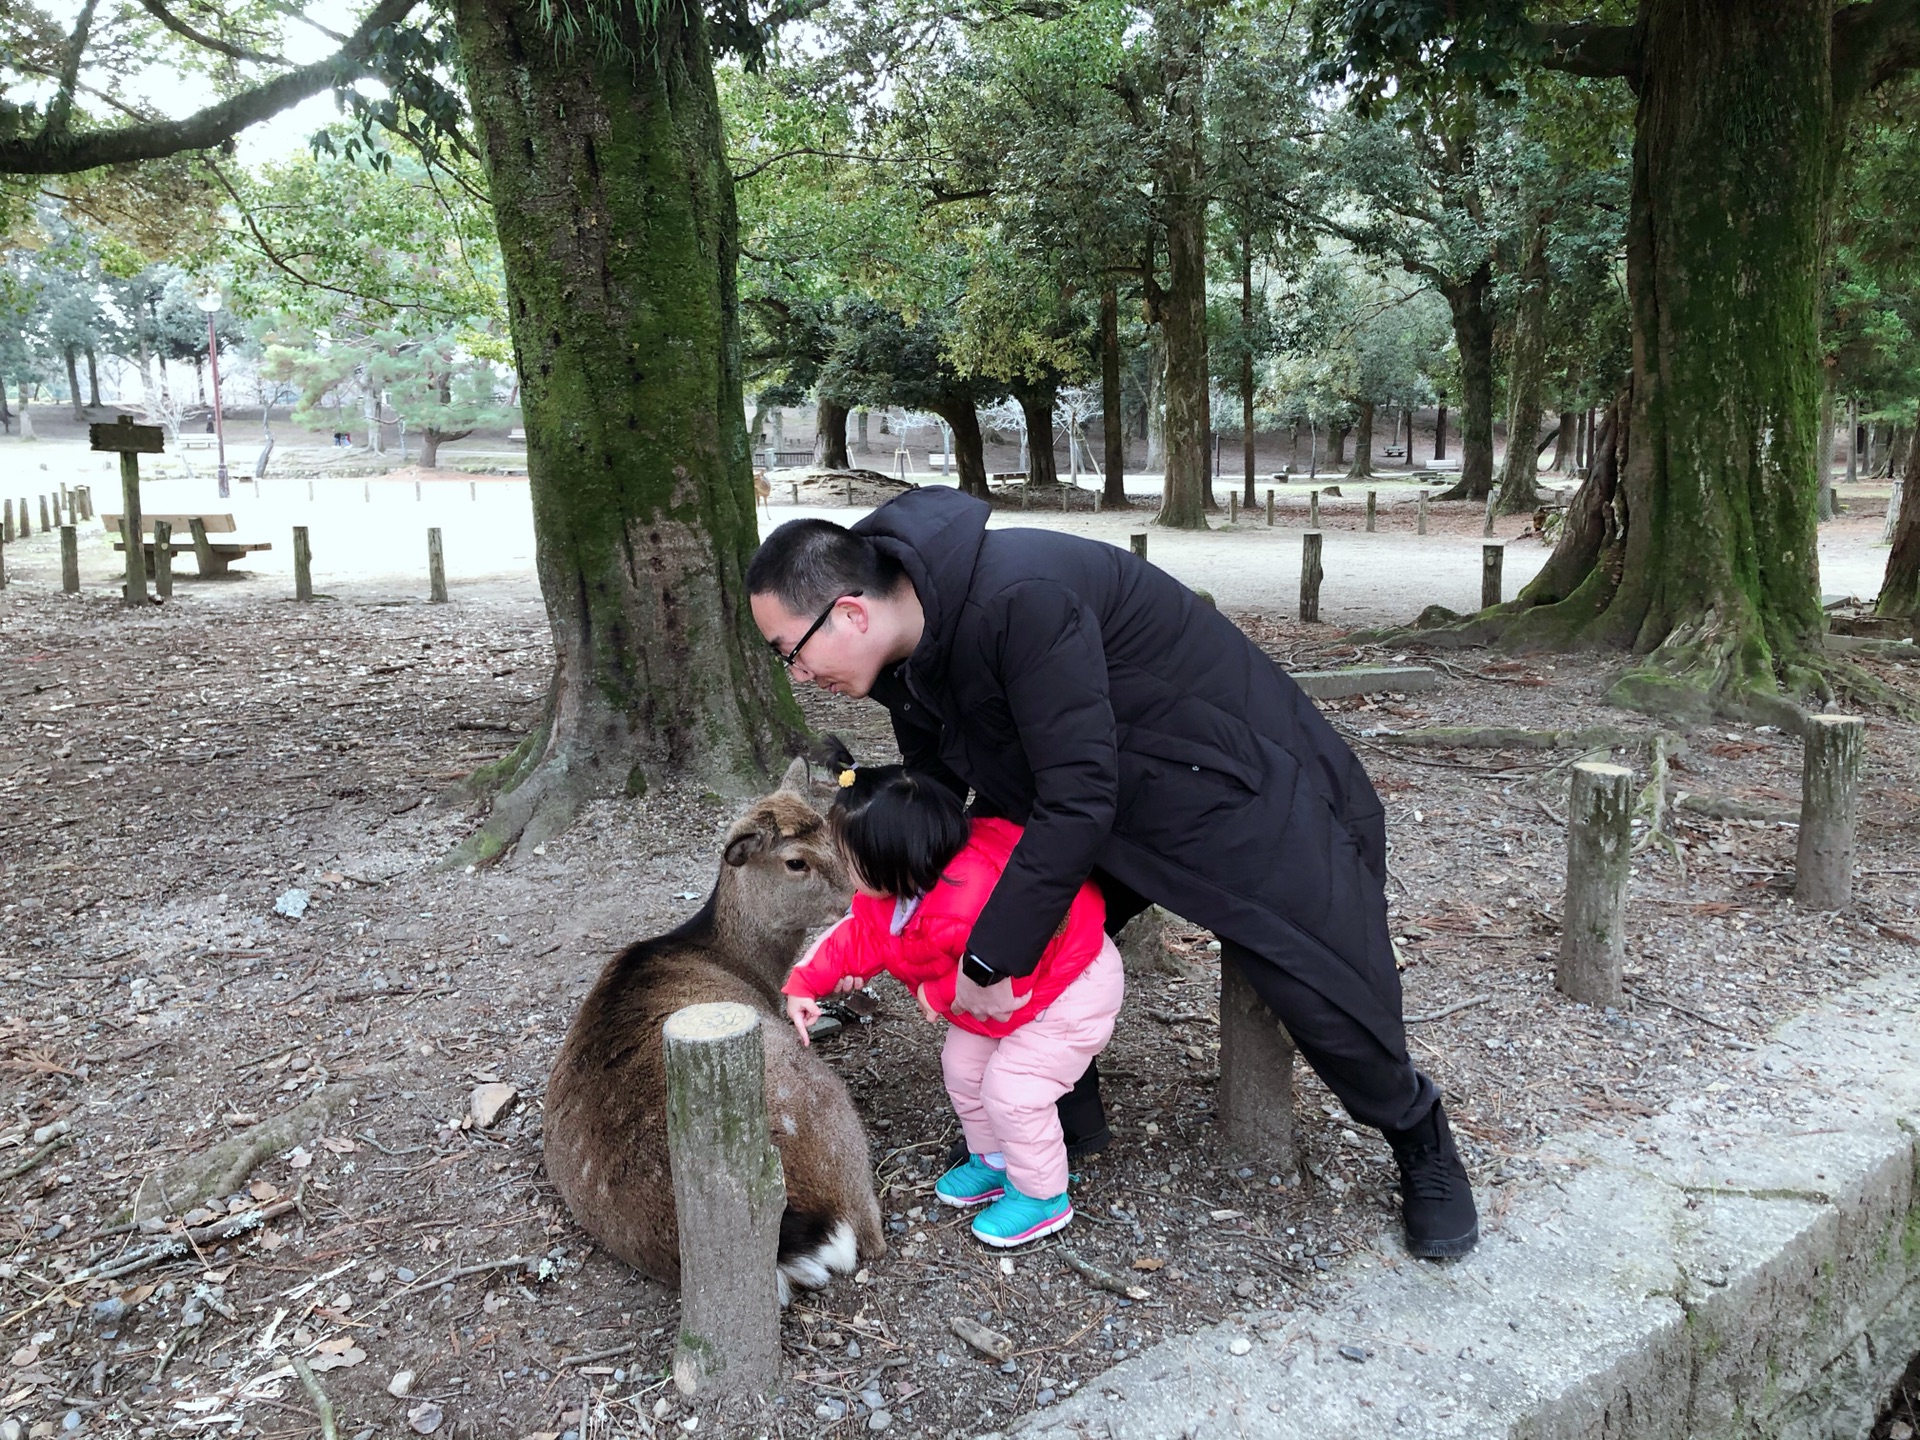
[(1436, 1200)]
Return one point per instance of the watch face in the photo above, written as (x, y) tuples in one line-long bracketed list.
[(975, 969)]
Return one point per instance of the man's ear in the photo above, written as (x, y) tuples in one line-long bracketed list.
[(858, 615)]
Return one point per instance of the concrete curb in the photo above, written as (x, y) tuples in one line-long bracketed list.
[(1745, 1264)]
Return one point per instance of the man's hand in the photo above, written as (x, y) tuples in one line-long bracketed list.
[(986, 1002), (803, 1012)]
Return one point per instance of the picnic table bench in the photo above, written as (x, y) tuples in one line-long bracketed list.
[(214, 556), (190, 440)]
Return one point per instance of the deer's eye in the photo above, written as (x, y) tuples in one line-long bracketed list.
[(796, 864)]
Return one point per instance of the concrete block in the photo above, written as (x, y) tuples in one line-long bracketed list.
[(1366, 680)]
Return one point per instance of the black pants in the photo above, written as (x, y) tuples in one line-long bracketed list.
[(1378, 1087)]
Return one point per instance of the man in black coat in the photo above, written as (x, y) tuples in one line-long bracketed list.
[(1140, 738)]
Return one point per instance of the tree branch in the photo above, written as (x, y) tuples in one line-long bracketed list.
[(1872, 44), (1600, 50), (60, 109), (55, 154), (207, 42)]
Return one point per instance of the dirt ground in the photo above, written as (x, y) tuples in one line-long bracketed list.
[(168, 777)]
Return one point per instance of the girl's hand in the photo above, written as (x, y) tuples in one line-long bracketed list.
[(927, 1012), (803, 1012), (847, 984)]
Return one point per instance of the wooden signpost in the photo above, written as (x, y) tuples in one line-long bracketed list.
[(130, 442)]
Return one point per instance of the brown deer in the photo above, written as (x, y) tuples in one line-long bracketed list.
[(763, 488), (606, 1123)]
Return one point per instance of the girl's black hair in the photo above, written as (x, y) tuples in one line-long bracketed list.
[(900, 828)]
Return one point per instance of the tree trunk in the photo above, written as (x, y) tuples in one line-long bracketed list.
[(1564, 442), (830, 435), (1338, 455), (1188, 491), (969, 451), (1714, 578), (1471, 301), (617, 230), (1362, 467), (1900, 590), (93, 379), (1829, 432), (1037, 406), (1113, 426), (429, 449), (1249, 499), (1520, 475), (73, 383), (1156, 408), (6, 413)]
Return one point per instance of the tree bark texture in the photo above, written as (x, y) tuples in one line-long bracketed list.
[(1564, 441), (1362, 467), (830, 435), (1471, 303), (73, 383), (969, 450), (1113, 425), (1043, 467), (1900, 590), (1249, 499), (1520, 474), (1829, 432), (1188, 488), (617, 232)]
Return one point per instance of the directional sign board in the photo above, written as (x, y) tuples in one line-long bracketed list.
[(128, 438)]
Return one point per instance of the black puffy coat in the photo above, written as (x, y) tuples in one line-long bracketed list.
[(1130, 726)]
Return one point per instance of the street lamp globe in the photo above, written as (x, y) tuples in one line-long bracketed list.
[(210, 302)]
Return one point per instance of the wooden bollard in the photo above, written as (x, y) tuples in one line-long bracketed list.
[(1492, 557), (1829, 806), (1256, 1074), (436, 568), (6, 524), (46, 523), (1063, 499), (1492, 495), (366, 491), (1310, 575), (163, 558), (1313, 509), (728, 1196), (473, 491), (69, 559), (309, 491), (849, 490), (3, 566), (1373, 505), (1269, 505), (796, 492), (26, 519), (86, 502), (302, 564), (1599, 854), (1423, 513), (202, 547), (1233, 507), (416, 489)]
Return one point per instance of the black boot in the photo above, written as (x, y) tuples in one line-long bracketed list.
[(1436, 1200)]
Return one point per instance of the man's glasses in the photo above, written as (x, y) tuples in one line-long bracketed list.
[(812, 630)]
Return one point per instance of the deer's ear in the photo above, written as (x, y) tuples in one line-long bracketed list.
[(795, 780), (742, 848)]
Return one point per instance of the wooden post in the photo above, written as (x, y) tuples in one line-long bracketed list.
[(729, 1193), (1373, 505), (69, 559), (86, 502), (416, 489), (366, 491), (46, 523), (796, 492), (849, 489), (1138, 544), (1310, 573), (436, 568), (1313, 509), (130, 441), (1256, 1075), (1492, 495), (309, 491), (1491, 558), (1599, 854), (203, 556), (1233, 507), (1422, 528), (26, 519), (1829, 805), (6, 525), (1269, 506), (473, 491), (302, 564), (163, 558), (3, 566)]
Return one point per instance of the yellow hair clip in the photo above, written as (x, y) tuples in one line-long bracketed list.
[(846, 778)]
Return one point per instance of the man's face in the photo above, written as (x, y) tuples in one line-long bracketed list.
[(844, 655)]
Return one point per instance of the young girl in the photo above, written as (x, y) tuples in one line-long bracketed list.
[(922, 874)]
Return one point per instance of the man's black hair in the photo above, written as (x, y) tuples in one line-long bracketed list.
[(808, 564), (900, 828)]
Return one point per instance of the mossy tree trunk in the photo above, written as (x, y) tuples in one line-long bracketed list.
[(1706, 564), (1520, 474), (1563, 441), (1113, 425), (1362, 467), (1471, 302), (1900, 590), (617, 233), (1829, 431), (1249, 499), (1037, 405), (1182, 306), (969, 450), (830, 434)]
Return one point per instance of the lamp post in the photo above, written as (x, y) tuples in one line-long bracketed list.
[(210, 302)]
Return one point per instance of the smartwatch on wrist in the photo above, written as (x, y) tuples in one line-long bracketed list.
[(978, 971)]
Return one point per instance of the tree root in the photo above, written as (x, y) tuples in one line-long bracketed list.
[(225, 1167), (1510, 737), (323, 1407), (1717, 808)]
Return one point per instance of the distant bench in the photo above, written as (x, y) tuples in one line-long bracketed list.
[(198, 442), (214, 556)]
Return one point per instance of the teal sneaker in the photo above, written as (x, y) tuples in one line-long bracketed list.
[(1014, 1219), (973, 1183)]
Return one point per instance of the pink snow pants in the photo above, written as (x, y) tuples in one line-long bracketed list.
[(1004, 1090)]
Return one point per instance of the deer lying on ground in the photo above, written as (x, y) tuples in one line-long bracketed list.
[(763, 488), (606, 1111)]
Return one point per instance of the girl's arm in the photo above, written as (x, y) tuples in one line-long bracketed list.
[(803, 1012), (843, 959)]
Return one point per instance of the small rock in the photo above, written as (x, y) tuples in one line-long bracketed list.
[(12, 1430), (879, 1420), (1239, 1346), (824, 1411), (1353, 1353), (489, 1102), (873, 1400), (400, 1384), (1900, 1430), (1045, 1397), (71, 1421), (403, 1275), (293, 905), (853, 1349), (109, 1311), (1245, 1289), (425, 1417), (1007, 1367)]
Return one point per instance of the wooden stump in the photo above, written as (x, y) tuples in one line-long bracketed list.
[(436, 568), (1310, 575), (1269, 507), (796, 492), (1599, 854), (1492, 495), (302, 564), (70, 559), (6, 525), (1492, 557), (1829, 807), (728, 1195), (3, 565), (1142, 943), (1422, 523), (1138, 544), (83, 501), (1256, 1075), (1373, 505), (163, 558), (46, 523), (1233, 507), (1313, 509), (204, 559)]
